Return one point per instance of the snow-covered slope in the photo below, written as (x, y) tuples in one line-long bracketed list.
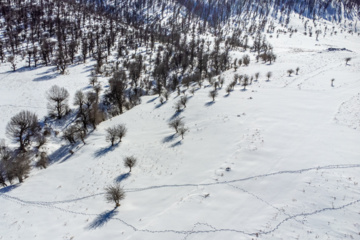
[(280, 160)]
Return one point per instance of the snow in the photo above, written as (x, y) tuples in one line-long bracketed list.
[(291, 146)]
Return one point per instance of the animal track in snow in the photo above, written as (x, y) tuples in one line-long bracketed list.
[(349, 113)]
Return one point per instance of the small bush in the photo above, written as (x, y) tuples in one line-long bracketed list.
[(130, 162), (114, 194), (176, 123)]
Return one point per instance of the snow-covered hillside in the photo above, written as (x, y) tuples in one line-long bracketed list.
[(279, 160)]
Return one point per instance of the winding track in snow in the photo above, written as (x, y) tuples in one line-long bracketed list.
[(212, 229)]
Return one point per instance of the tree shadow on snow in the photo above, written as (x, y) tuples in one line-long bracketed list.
[(103, 151), (176, 114), (160, 105), (169, 138), (178, 143), (151, 100), (46, 77), (9, 188), (62, 154), (122, 177), (208, 104), (102, 219)]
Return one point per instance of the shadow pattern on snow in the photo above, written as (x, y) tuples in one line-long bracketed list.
[(208, 104), (46, 77), (151, 100), (169, 138), (9, 188), (122, 177), (178, 143), (62, 154), (176, 114), (102, 219), (103, 151)]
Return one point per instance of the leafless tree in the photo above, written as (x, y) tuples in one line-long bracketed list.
[(130, 162), (6, 164), (11, 60), (43, 160), (22, 128), (114, 194), (290, 71), (178, 106), (184, 100), (257, 75), (246, 60), (182, 131), (21, 166), (58, 97), (213, 94), (347, 60), (111, 135), (268, 75), (121, 131), (176, 123)]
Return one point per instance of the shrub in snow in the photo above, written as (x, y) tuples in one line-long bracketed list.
[(43, 160), (246, 60), (21, 166), (130, 162), (268, 75), (182, 131), (176, 123), (347, 60), (290, 71), (116, 133), (121, 131), (114, 194), (183, 100), (213, 94)]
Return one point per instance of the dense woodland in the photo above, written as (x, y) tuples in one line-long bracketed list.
[(143, 47)]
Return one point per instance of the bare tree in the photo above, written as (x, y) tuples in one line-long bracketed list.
[(22, 128), (21, 166), (178, 106), (69, 134), (11, 60), (166, 94), (43, 160), (297, 70), (121, 131), (93, 80), (130, 162), (6, 164), (229, 89), (111, 135), (290, 71), (58, 97), (246, 60), (2, 174), (213, 94), (176, 123), (268, 75), (182, 131), (347, 60), (184, 100), (114, 194), (257, 76), (245, 81)]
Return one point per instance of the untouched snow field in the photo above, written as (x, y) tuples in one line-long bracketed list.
[(280, 160)]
